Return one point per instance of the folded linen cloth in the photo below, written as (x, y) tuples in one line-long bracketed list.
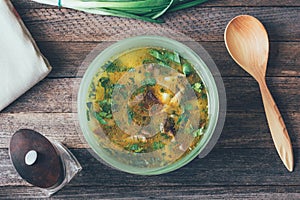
[(21, 63)]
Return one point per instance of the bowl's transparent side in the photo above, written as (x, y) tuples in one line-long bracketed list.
[(150, 41)]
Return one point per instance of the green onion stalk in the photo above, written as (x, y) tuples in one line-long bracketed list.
[(147, 10)]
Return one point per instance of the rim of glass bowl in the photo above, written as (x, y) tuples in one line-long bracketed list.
[(148, 41)]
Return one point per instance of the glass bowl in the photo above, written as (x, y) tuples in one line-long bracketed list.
[(104, 152)]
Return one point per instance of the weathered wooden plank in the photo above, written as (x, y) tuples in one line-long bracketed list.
[(201, 24), (61, 127), (233, 170), (241, 130), (221, 3), (248, 130), (57, 95), (136, 192), (67, 57), (229, 167), (50, 95)]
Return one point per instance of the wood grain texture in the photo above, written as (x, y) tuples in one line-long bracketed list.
[(251, 132), (244, 163), (168, 192), (61, 127), (67, 57), (201, 24), (222, 167), (57, 95)]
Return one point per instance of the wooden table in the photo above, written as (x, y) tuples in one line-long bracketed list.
[(244, 164)]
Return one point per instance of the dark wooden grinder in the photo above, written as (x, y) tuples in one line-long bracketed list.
[(36, 159)]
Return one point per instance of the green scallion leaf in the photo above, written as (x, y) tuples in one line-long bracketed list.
[(158, 145), (149, 81), (156, 54), (176, 58), (130, 115), (186, 69), (99, 118), (147, 10), (198, 132), (198, 87), (135, 148)]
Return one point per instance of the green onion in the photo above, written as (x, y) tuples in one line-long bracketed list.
[(198, 87), (147, 10), (158, 145), (130, 115), (99, 118), (187, 69), (135, 148), (149, 82), (198, 132)]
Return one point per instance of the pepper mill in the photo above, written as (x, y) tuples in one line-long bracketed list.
[(46, 164)]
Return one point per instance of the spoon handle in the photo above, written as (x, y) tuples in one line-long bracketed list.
[(277, 127)]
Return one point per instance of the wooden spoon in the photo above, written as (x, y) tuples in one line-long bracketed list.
[(247, 41)]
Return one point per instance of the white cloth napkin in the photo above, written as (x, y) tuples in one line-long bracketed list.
[(21, 63)]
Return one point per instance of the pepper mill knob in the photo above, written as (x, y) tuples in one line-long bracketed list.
[(30, 157)]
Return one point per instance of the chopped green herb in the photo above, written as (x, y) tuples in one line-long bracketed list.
[(176, 58), (102, 114), (93, 86), (131, 69), (205, 110), (156, 54), (118, 86), (136, 148), (169, 56), (147, 74), (188, 106), (182, 118), (92, 94), (147, 61), (191, 129), (163, 64), (149, 81), (140, 90), (164, 135), (130, 115), (105, 106), (109, 116), (186, 69), (172, 56), (165, 56), (99, 118), (89, 105), (88, 115), (132, 80), (158, 145), (104, 81), (111, 67), (197, 87), (198, 132)]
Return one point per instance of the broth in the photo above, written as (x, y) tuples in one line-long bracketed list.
[(147, 107)]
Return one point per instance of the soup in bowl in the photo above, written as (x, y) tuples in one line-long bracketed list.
[(147, 105)]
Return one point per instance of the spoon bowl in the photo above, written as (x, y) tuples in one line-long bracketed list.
[(247, 42)]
